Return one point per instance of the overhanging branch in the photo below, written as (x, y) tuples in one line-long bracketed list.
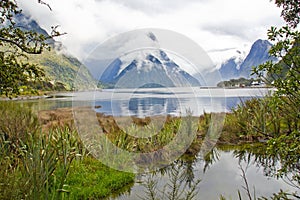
[(26, 50)]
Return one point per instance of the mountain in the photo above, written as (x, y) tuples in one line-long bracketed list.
[(63, 69), (235, 67), (229, 69), (60, 67), (146, 68), (26, 23), (259, 54)]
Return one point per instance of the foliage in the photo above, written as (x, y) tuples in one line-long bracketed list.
[(42, 158), (16, 123), (286, 148), (285, 76), (290, 11), (267, 120), (15, 43), (152, 139), (44, 165), (258, 118), (16, 126), (32, 158), (14, 74)]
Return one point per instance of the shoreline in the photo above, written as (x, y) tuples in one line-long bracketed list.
[(43, 95), (23, 98), (54, 94)]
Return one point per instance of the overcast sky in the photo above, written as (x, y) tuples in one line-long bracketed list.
[(214, 24)]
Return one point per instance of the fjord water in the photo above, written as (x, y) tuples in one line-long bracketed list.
[(223, 174), (143, 102), (221, 177)]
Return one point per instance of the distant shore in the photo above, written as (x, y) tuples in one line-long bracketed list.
[(42, 95), (59, 94), (24, 98)]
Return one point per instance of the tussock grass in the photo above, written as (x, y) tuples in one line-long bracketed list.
[(36, 164)]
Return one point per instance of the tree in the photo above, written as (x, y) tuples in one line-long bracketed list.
[(15, 43), (285, 76), (290, 11)]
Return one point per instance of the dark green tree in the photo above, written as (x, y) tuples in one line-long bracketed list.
[(15, 44)]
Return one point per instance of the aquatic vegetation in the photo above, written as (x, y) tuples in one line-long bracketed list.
[(178, 186)]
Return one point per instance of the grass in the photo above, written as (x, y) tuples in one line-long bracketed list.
[(36, 164), (90, 179), (143, 137), (151, 139)]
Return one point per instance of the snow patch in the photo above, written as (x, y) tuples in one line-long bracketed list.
[(221, 56), (140, 56)]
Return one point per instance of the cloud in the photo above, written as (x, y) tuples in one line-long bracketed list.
[(213, 24), (155, 6)]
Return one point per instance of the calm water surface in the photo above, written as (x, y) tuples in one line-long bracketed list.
[(154, 101), (222, 177)]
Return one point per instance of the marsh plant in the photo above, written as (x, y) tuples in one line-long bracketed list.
[(36, 163), (33, 165), (259, 119), (46, 161), (178, 186), (150, 139)]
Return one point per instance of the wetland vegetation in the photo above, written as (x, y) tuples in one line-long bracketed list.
[(43, 157)]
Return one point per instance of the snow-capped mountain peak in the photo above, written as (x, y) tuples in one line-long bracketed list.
[(240, 65), (143, 59), (146, 68)]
